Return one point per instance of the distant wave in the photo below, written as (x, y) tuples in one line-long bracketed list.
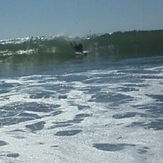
[(118, 44)]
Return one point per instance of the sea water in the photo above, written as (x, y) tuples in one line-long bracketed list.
[(93, 110)]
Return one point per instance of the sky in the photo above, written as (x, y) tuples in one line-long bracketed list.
[(20, 18)]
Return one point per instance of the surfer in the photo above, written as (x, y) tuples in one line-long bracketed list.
[(77, 48)]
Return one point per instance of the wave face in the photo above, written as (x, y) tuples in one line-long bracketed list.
[(118, 44), (56, 107)]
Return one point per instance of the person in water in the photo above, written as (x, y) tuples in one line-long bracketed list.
[(77, 48)]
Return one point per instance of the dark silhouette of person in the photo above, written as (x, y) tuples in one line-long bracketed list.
[(77, 48)]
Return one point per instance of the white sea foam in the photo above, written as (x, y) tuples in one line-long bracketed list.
[(104, 116)]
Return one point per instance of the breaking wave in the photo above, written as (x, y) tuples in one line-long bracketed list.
[(54, 50)]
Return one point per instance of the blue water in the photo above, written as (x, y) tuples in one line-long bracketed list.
[(85, 109)]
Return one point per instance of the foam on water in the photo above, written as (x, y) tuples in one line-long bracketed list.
[(111, 114)]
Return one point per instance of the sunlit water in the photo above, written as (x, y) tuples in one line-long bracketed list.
[(83, 110)]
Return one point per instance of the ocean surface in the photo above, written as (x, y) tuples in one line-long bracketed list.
[(93, 109)]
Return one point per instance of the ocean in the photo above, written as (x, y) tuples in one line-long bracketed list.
[(64, 108)]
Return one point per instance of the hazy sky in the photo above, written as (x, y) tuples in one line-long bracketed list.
[(19, 18)]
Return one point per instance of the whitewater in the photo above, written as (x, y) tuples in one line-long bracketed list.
[(85, 109)]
